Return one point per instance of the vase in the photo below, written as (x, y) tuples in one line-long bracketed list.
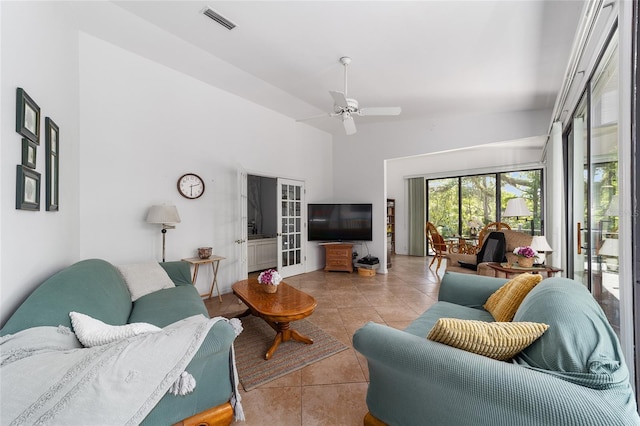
[(270, 288), (525, 262)]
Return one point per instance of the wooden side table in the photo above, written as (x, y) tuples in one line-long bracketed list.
[(214, 261), (517, 270)]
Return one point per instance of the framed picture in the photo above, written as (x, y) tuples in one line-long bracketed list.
[(29, 153), (27, 117), (52, 140), (27, 189)]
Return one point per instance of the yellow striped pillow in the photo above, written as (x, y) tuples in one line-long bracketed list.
[(497, 340), (504, 303)]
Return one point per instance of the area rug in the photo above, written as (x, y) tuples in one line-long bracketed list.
[(257, 337)]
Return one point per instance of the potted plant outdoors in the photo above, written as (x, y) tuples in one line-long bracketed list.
[(270, 280), (526, 256)]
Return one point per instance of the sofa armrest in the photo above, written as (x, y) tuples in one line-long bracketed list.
[(178, 271), (453, 258), (413, 379), (210, 368), (468, 290)]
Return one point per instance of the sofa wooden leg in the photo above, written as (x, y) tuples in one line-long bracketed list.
[(221, 415), (369, 420)]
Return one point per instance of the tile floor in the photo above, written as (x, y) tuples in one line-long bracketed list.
[(332, 391)]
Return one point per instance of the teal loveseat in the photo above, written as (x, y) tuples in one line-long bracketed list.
[(96, 288), (574, 374)]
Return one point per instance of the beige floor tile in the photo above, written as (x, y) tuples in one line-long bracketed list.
[(396, 313), (290, 380), (264, 406), (342, 367), (342, 405)]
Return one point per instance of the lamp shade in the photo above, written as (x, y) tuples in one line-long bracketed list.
[(165, 214), (609, 247), (516, 207), (540, 244), (614, 209)]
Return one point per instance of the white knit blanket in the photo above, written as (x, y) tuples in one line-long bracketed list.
[(47, 378)]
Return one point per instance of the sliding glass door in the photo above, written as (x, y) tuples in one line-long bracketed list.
[(593, 153)]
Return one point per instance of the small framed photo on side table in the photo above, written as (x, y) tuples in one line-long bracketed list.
[(27, 189)]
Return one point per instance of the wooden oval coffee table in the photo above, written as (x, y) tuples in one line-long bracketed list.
[(278, 309)]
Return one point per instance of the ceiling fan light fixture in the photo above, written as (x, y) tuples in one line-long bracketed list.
[(346, 108)]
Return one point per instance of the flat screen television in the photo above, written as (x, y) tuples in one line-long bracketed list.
[(339, 222)]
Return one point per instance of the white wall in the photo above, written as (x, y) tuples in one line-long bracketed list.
[(129, 127), (154, 124), (39, 52), (359, 169)]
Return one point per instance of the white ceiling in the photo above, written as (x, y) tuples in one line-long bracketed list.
[(429, 57)]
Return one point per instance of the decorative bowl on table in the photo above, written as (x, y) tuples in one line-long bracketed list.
[(204, 252)]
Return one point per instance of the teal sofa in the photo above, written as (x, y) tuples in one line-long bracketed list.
[(96, 288), (574, 374)]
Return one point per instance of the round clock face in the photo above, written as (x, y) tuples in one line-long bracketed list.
[(190, 186)]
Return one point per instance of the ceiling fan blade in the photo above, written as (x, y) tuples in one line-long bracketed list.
[(339, 98), (349, 125), (380, 111)]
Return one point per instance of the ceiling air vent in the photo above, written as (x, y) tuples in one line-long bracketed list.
[(218, 18)]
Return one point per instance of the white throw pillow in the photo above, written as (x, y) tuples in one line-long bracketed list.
[(144, 278), (92, 332)]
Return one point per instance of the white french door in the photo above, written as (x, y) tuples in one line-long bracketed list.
[(291, 225), (242, 223), (593, 149)]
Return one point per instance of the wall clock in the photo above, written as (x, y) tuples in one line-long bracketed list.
[(190, 186)]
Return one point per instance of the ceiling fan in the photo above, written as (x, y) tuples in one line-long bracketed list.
[(345, 108)]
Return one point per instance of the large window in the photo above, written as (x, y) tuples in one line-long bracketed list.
[(460, 206)]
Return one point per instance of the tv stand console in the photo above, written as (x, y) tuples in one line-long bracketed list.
[(338, 257)]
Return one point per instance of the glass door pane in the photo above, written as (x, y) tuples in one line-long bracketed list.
[(443, 206), (593, 148), (525, 184), (603, 180), (581, 241), (478, 203)]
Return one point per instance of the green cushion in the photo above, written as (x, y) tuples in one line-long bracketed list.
[(425, 322), (93, 287), (467, 289), (167, 306), (178, 271), (580, 346)]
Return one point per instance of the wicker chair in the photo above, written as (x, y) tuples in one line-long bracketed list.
[(437, 244)]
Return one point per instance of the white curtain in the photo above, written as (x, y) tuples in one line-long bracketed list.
[(556, 214), (417, 216)]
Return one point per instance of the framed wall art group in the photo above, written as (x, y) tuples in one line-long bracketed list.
[(27, 178)]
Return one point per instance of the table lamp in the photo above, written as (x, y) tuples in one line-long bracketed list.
[(540, 244), (610, 249), (165, 215)]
